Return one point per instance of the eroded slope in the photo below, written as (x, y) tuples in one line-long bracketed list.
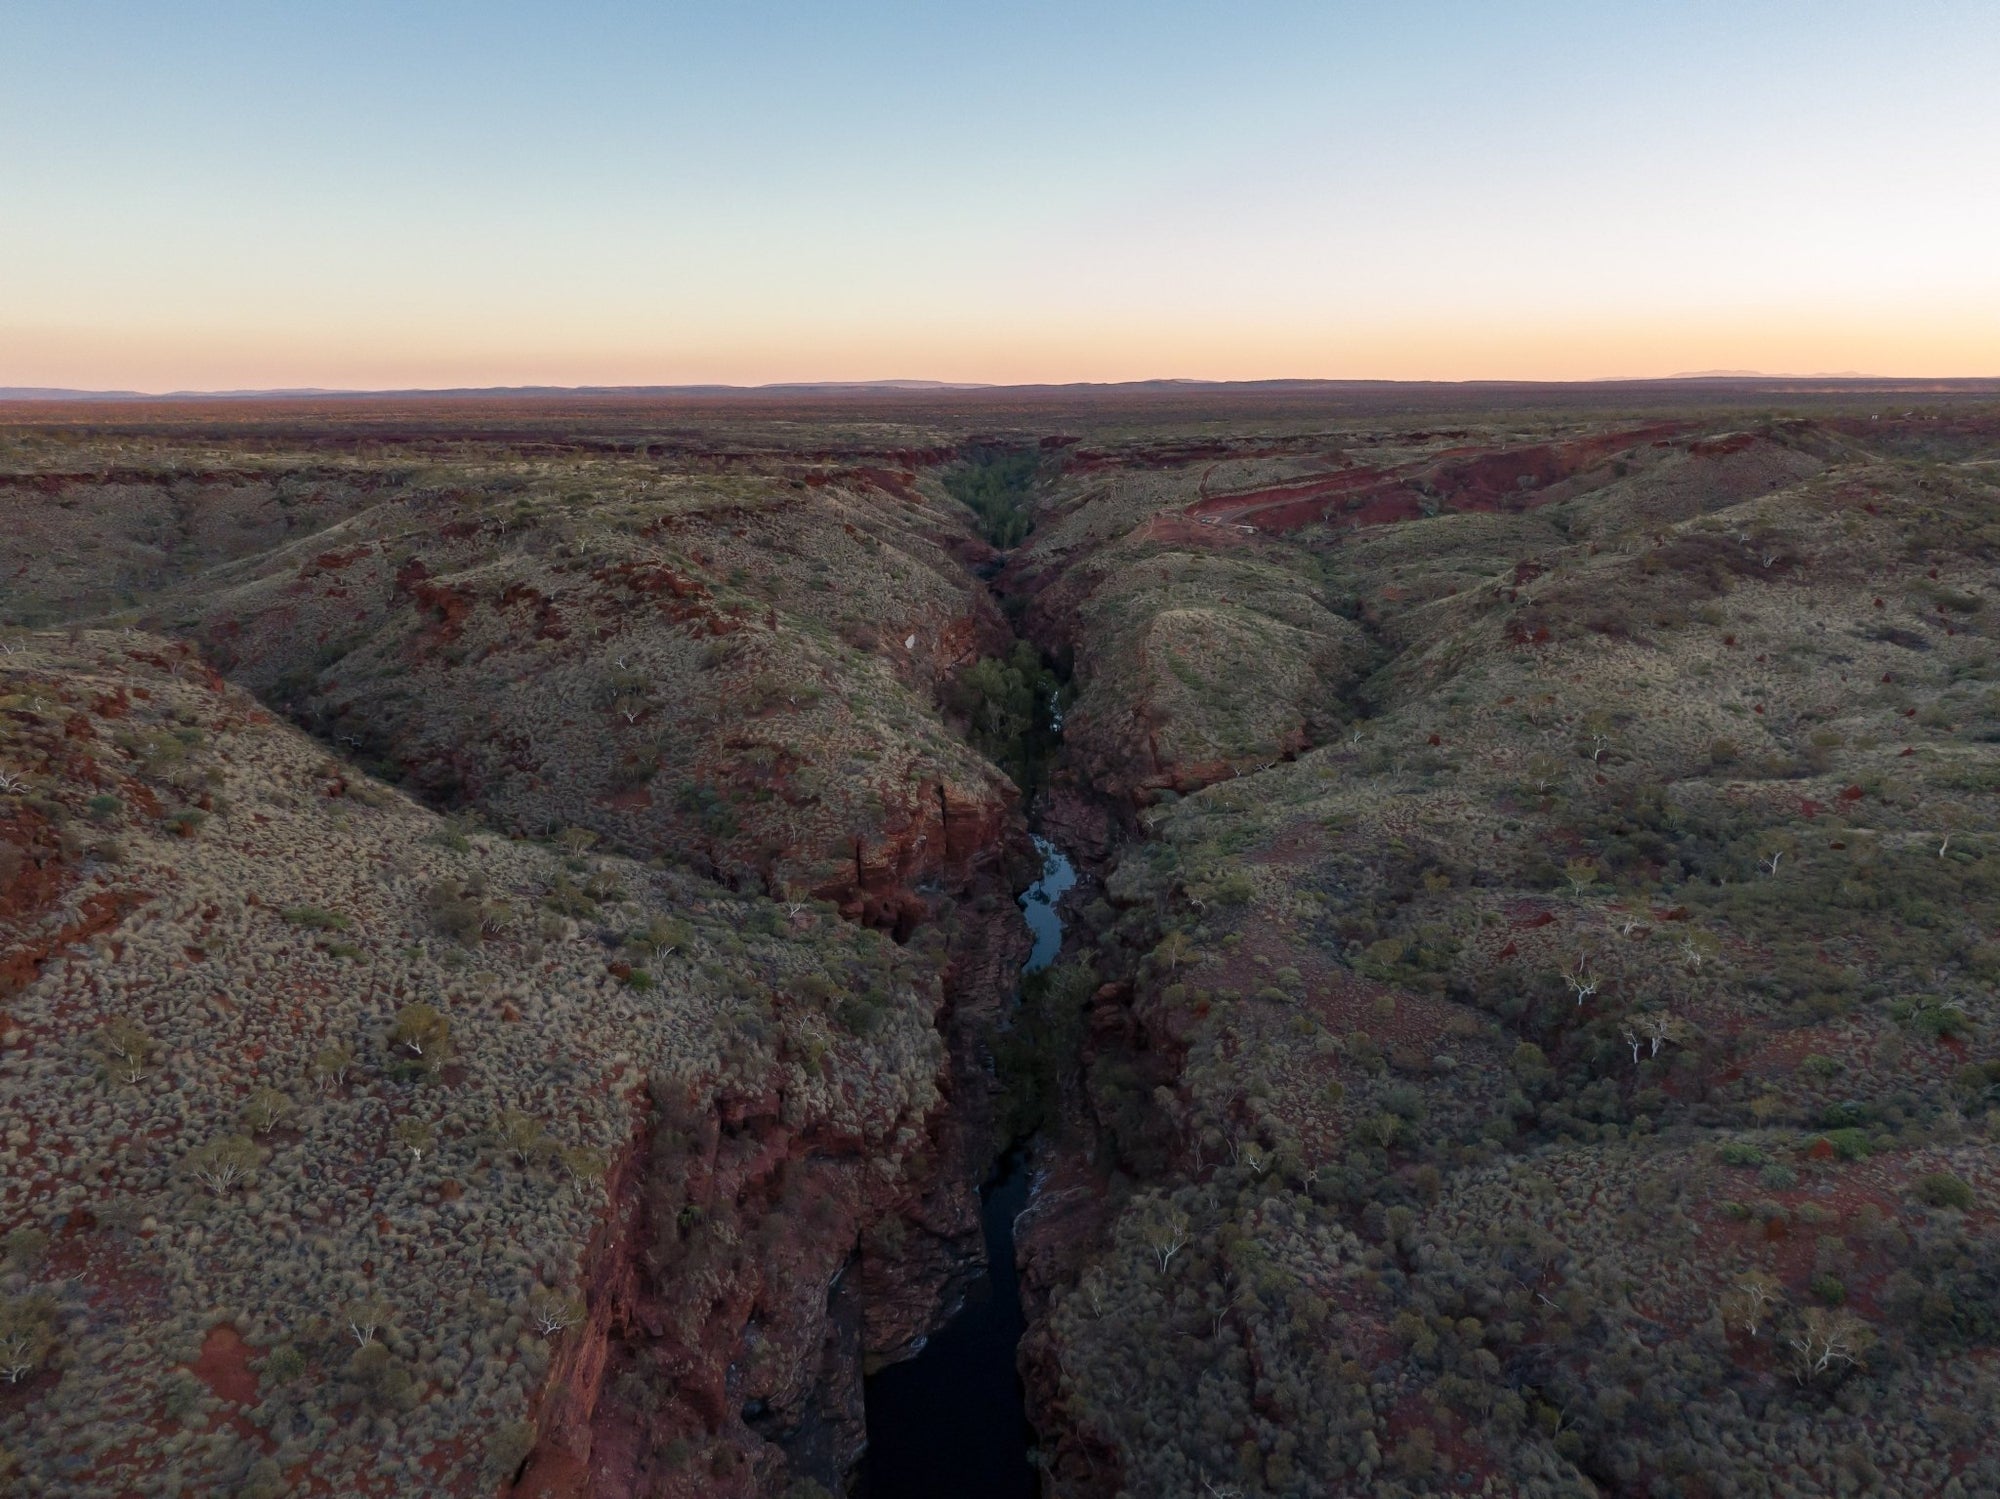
[(1575, 1077), (349, 1151)]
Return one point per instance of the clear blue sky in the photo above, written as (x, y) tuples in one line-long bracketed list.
[(371, 194)]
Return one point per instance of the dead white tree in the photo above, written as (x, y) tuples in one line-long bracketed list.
[(551, 1312), (1168, 1236), (1824, 1339), (1696, 949), (25, 1338), (1577, 976)]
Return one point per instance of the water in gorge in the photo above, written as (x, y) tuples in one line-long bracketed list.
[(950, 1422)]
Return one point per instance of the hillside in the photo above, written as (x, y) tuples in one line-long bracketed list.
[(1566, 1070), (509, 975), (348, 1141)]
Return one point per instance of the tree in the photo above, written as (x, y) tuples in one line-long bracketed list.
[(365, 1318), (522, 1136), (1697, 948), (424, 1032), (1826, 1340), (331, 1065), (1165, 1232), (416, 1136), (1751, 1300), (126, 1048), (1175, 949), (266, 1110), (661, 935), (1544, 774), (550, 1312), (27, 1335), (223, 1162), (1577, 976)]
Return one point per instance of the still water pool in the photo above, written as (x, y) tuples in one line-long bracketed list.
[(950, 1423)]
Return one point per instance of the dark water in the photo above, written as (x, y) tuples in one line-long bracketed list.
[(1038, 905), (950, 1423)]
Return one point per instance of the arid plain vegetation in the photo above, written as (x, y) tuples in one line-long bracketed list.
[(507, 953)]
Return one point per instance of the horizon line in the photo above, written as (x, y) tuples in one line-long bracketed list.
[(29, 393)]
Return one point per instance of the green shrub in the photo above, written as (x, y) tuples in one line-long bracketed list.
[(1849, 1144), (1941, 1189), (317, 919)]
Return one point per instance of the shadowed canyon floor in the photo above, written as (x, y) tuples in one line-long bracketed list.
[(510, 963)]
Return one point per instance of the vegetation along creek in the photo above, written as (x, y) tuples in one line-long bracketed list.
[(950, 1420)]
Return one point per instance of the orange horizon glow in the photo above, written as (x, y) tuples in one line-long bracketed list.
[(1916, 346)]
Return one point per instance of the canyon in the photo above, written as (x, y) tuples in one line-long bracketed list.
[(1515, 1024)]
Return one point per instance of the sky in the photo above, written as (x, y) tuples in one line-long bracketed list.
[(420, 193)]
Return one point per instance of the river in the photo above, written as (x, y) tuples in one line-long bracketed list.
[(951, 1422)]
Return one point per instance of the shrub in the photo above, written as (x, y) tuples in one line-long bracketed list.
[(284, 1365), (375, 1381), (1848, 1144), (1941, 1189), (507, 1449), (317, 919), (24, 1249), (456, 912)]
